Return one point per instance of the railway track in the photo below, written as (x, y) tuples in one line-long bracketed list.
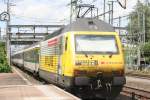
[(139, 76), (136, 94)]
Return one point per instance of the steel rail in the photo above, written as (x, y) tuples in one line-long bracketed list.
[(136, 93)]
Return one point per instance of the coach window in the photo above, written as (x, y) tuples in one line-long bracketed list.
[(66, 43)]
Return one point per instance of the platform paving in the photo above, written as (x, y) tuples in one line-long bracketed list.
[(14, 86), (11, 79)]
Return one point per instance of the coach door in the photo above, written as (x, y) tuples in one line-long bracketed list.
[(59, 67)]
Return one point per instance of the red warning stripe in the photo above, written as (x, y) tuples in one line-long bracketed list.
[(52, 42)]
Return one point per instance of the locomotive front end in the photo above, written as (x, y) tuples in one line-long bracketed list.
[(99, 61)]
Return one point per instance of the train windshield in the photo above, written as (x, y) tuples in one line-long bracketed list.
[(96, 44)]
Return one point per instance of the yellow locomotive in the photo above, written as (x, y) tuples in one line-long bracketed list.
[(85, 55)]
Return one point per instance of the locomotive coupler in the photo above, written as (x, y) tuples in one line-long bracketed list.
[(96, 84), (108, 87), (99, 80), (99, 84)]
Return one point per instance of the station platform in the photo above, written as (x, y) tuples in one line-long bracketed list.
[(14, 86)]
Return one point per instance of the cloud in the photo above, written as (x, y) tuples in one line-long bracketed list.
[(47, 11), (42, 11), (37, 11)]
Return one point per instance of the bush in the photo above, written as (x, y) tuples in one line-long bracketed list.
[(146, 50), (4, 67)]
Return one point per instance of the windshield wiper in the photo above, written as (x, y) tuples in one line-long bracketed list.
[(110, 53), (84, 52)]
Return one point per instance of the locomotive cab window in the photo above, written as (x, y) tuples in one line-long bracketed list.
[(92, 44)]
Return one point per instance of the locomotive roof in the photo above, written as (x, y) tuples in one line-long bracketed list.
[(89, 24), (84, 24)]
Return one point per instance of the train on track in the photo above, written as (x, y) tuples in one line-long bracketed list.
[(84, 56)]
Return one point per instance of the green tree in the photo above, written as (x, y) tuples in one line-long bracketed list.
[(146, 49), (136, 23), (4, 67), (140, 22)]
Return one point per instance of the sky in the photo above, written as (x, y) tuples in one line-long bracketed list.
[(52, 11)]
